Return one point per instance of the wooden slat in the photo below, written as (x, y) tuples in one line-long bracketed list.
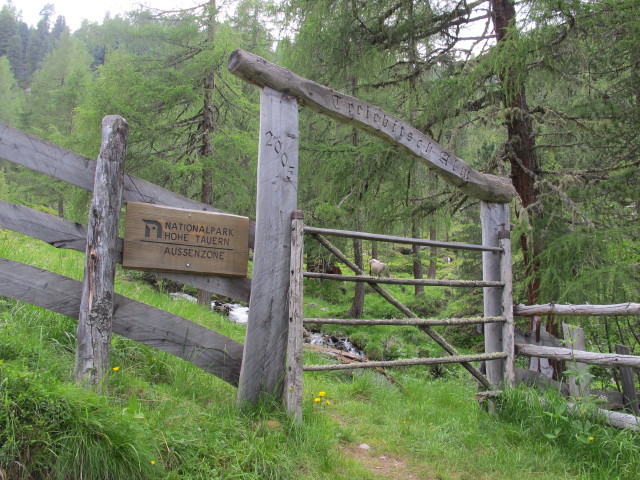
[(349, 110), (403, 240), (415, 322), (586, 310), (264, 362), (608, 359), (508, 327), (409, 362), (293, 383), (62, 233), (404, 281), (214, 353), (62, 164)]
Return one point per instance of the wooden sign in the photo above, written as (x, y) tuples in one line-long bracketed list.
[(179, 240)]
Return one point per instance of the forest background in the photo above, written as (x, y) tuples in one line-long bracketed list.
[(543, 92)]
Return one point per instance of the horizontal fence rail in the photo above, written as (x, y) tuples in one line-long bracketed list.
[(415, 322), (57, 162), (404, 240), (404, 281), (409, 362), (62, 233), (569, 310), (608, 359), (151, 326)]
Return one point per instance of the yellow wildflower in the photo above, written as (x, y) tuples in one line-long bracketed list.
[(328, 402), (153, 462), (591, 439), (322, 394), (115, 369), (316, 399)]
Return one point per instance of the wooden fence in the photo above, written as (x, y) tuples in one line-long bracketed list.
[(272, 350), (497, 319), (209, 350), (493, 352)]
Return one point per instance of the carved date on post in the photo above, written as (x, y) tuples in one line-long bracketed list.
[(274, 142)]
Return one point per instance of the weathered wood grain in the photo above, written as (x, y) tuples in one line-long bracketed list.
[(293, 383), (264, 362), (494, 218), (586, 310), (404, 281), (93, 336), (394, 239), (608, 359), (347, 109), (62, 233), (411, 361), (214, 353), (62, 164), (415, 322)]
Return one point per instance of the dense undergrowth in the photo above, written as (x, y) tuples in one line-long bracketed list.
[(160, 417)]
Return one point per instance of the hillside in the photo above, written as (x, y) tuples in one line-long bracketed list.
[(161, 417)]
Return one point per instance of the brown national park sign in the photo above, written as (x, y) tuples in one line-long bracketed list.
[(180, 240)]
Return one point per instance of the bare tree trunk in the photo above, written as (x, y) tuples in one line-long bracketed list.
[(207, 127), (520, 147), (520, 151), (417, 261), (433, 254), (357, 306)]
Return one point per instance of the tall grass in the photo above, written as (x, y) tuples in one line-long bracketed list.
[(164, 418)]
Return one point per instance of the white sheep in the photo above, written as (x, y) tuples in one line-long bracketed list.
[(378, 268)]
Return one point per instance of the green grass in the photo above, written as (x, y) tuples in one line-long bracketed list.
[(161, 417)]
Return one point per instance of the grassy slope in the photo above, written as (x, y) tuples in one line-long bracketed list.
[(163, 418)]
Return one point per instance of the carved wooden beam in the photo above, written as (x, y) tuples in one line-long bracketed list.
[(372, 119), (587, 310)]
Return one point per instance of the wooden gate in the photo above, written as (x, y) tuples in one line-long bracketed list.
[(497, 319)]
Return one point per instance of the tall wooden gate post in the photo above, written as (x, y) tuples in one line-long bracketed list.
[(495, 219), (293, 384), (263, 363), (96, 305)]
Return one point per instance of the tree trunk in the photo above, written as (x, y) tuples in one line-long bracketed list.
[(357, 306), (207, 128), (520, 148), (417, 261), (433, 255)]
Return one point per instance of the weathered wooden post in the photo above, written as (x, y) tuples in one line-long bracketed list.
[(495, 219), (508, 328), (580, 380), (96, 305), (263, 364), (293, 384), (629, 393)]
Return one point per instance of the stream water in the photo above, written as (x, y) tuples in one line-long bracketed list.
[(240, 314)]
